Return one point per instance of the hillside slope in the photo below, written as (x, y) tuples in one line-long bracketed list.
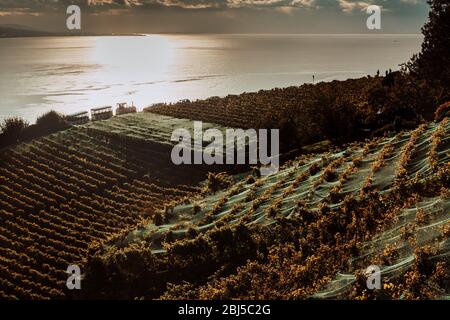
[(321, 217), (63, 193)]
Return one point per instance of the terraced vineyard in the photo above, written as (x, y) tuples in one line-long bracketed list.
[(249, 110), (326, 178), (62, 194), (402, 178), (104, 196)]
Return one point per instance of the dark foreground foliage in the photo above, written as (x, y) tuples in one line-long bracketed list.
[(15, 130), (433, 62)]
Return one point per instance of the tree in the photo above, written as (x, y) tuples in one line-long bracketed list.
[(11, 130), (433, 62), (50, 122)]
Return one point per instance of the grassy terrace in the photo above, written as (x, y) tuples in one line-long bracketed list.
[(147, 126)]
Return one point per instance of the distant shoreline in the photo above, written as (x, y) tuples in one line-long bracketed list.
[(44, 34), (7, 31), (68, 35)]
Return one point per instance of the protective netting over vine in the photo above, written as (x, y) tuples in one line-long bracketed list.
[(424, 223), (310, 230), (312, 180)]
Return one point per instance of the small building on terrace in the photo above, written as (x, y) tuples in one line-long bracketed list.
[(101, 113), (123, 108), (78, 118)]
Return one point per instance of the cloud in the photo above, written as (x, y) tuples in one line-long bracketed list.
[(349, 6), (18, 12), (12, 7), (187, 4), (354, 6), (412, 1), (344, 4)]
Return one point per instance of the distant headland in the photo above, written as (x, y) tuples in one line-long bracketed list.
[(19, 31)]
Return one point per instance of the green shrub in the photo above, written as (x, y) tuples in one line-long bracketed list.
[(12, 130)]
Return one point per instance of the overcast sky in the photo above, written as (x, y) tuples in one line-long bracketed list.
[(212, 16)]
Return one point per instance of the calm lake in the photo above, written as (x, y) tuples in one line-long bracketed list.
[(71, 74)]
